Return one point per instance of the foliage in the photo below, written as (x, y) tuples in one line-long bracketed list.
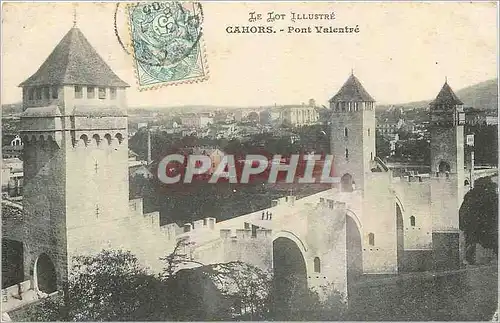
[(479, 214), (236, 288), (413, 150), (246, 286), (307, 305), (382, 145), (110, 286), (485, 144)]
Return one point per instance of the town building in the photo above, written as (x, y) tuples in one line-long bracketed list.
[(300, 115), (197, 120), (12, 176), (14, 149)]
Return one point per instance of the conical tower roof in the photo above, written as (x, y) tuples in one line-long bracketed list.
[(446, 97), (74, 62), (352, 90)]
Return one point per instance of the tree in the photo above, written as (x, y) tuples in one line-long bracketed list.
[(479, 217), (110, 286), (306, 305), (236, 289), (382, 145)]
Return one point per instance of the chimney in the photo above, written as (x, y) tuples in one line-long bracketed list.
[(149, 146)]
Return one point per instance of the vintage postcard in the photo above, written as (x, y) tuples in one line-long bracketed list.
[(249, 161)]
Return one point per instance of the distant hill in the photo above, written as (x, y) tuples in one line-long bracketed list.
[(482, 96)]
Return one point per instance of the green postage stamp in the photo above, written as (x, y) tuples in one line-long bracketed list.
[(167, 43)]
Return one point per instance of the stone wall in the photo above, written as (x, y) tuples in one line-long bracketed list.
[(44, 205)]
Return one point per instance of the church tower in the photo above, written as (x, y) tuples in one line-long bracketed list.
[(448, 175), (353, 133), (74, 126)]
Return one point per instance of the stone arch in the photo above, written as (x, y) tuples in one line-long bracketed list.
[(33, 139), (45, 274), (354, 247), (290, 273), (108, 138), (401, 205), (26, 138), (444, 167), (346, 182), (96, 139), (84, 139), (119, 136)]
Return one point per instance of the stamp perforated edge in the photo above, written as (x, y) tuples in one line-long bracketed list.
[(156, 86)]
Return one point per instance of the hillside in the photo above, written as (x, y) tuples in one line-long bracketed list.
[(482, 96)]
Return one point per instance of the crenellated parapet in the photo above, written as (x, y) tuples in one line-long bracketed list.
[(332, 204), (245, 234), (206, 223), (284, 201)]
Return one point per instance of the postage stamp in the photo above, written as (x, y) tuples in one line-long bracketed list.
[(167, 43)]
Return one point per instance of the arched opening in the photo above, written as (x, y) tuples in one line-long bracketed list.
[(12, 262), (444, 167), (346, 183), (84, 139), (400, 240), (97, 139), (290, 277), (466, 182), (317, 265), (119, 137), (354, 251), (45, 274), (412, 221), (108, 138)]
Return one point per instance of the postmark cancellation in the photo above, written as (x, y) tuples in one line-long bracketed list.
[(167, 43)]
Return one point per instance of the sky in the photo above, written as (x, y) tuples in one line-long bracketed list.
[(403, 52)]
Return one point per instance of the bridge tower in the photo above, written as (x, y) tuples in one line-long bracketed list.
[(448, 175), (353, 133), (75, 158), (375, 244)]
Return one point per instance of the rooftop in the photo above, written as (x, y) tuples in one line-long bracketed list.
[(74, 62), (352, 90), (446, 97)]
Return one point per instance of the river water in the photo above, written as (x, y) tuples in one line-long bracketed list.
[(465, 295)]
